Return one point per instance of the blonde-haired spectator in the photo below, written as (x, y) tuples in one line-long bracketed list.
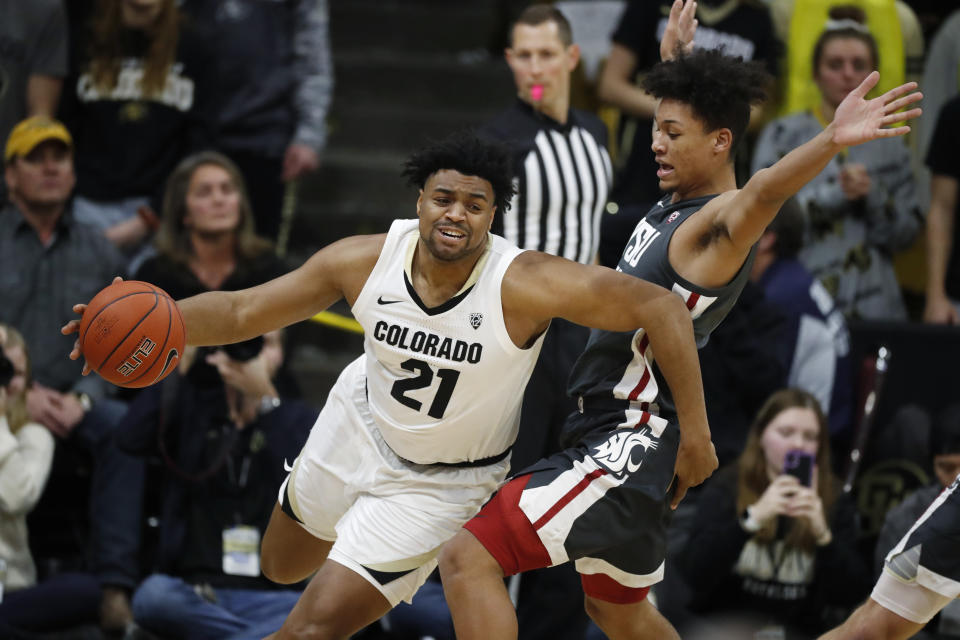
[(26, 455)]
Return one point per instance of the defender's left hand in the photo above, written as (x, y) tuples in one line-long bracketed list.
[(858, 120)]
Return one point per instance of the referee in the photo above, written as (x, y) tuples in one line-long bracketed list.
[(563, 177)]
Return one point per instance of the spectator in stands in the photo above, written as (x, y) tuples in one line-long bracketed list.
[(47, 260), (26, 453), (137, 101), (273, 97), (33, 62), (797, 23), (816, 341), (943, 232), (768, 550), (224, 440), (862, 207), (742, 28), (941, 76), (206, 239)]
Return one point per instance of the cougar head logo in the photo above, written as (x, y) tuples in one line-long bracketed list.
[(616, 454)]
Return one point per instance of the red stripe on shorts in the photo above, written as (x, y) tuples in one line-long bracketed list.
[(506, 533), (568, 497), (603, 587)]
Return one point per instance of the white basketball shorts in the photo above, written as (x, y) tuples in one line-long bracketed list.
[(388, 517)]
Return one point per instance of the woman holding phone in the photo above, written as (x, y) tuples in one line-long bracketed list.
[(773, 545)]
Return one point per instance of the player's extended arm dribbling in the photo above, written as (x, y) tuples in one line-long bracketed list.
[(334, 272), (224, 317)]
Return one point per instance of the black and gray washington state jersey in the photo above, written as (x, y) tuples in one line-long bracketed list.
[(563, 176), (619, 366)]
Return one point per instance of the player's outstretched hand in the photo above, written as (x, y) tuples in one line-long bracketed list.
[(858, 120), (696, 460), (681, 26), (74, 327)]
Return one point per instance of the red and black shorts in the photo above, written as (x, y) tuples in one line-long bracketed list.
[(604, 503)]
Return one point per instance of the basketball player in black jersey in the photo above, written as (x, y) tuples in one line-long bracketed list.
[(605, 501)]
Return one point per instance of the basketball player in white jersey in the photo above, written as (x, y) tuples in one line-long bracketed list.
[(416, 433), (921, 576)]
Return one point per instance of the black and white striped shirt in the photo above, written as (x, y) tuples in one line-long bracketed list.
[(563, 176)]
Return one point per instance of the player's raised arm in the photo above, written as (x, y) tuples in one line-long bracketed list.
[(538, 287), (336, 271), (680, 29), (857, 120)]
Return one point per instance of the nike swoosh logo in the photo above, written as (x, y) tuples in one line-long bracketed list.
[(380, 300)]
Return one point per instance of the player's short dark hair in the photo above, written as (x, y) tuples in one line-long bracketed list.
[(788, 225), (471, 155), (720, 89), (537, 14)]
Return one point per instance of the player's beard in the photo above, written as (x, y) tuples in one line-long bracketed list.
[(444, 255)]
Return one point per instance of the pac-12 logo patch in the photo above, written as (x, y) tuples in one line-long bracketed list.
[(673, 216), (475, 320)]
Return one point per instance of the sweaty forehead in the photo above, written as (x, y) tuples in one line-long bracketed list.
[(453, 181)]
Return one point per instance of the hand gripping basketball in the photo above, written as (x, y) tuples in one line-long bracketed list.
[(131, 333)]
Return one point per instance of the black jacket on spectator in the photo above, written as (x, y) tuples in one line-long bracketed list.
[(215, 475), (180, 282), (942, 160), (127, 144), (716, 546)]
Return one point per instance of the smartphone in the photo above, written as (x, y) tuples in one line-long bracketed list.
[(799, 464)]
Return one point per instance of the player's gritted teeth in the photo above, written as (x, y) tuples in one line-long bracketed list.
[(665, 169), (452, 233)]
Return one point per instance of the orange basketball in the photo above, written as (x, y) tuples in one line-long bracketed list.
[(132, 334)]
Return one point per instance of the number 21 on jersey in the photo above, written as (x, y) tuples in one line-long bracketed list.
[(448, 380)]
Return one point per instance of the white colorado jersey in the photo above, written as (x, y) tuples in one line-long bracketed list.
[(444, 383)]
